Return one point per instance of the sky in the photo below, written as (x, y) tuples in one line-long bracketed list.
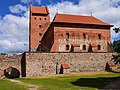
[(14, 18)]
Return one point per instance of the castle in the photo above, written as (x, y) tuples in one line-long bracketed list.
[(70, 43), (67, 33)]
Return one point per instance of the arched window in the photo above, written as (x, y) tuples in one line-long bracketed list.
[(34, 18), (40, 18), (67, 47), (44, 18), (99, 36), (40, 26), (67, 36), (84, 35), (84, 47), (99, 47), (40, 34)]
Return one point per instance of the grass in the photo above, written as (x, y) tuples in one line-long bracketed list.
[(7, 85), (73, 82), (84, 81)]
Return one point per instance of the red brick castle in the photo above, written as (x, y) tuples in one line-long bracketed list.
[(67, 33)]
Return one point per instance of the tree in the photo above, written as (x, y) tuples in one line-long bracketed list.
[(116, 29), (116, 47), (3, 54)]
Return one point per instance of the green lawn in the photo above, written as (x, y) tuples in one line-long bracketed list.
[(64, 82), (7, 85), (74, 82)]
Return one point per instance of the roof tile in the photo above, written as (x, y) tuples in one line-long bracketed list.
[(66, 18), (38, 9)]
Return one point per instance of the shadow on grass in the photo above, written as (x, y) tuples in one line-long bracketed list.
[(94, 82)]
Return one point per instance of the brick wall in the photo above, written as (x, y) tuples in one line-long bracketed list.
[(45, 63), (54, 39)]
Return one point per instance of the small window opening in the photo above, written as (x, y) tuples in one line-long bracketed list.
[(84, 36), (40, 26), (44, 18), (67, 47), (99, 47), (67, 36), (40, 18), (99, 36), (34, 18), (40, 34), (84, 47)]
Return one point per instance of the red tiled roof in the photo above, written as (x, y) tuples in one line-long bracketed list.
[(65, 18), (75, 45), (65, 66), (96, 51), (38, 9), (111, 64), (94, 45)]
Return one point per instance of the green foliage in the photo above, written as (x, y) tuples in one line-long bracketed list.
[(3, 54), (116, 46), (116, 30), (7, 85), (116, 58)]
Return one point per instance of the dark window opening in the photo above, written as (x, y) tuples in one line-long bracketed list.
[(40, 26), (67, 36), (40, 18), (99, 36), (34, 18), (40, 34), (99, 47), (84, 35), (67, 47), (44, 18), (84, 47)]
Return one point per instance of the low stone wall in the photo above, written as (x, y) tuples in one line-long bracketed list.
[(50, 63), (7, 61)]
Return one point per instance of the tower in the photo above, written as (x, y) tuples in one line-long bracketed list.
[(39, 23)]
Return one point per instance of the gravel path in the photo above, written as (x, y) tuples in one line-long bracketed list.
[(29, 86)]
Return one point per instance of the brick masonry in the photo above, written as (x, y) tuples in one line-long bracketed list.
[(45, 63)]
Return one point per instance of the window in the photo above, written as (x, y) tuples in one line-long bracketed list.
[(67, 47), (40, 34), (84, 47), (99, 47), (99, 36), (67, 36), (34, 18), (40, 18), (84, 35), (40, 26), (44, 18)]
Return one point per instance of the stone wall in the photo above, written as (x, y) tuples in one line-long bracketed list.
[(50, 63), (7, 61)]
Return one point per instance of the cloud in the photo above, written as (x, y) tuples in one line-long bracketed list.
[(105, 10), (17, 8), (14, 34), (26, 1), (31, 1), (38, 1), (14, 31)]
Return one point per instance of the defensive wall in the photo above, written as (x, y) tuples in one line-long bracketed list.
[(50, 63), (36, 63), (10, 61)]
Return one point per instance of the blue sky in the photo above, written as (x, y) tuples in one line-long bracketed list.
[(14, 18)]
